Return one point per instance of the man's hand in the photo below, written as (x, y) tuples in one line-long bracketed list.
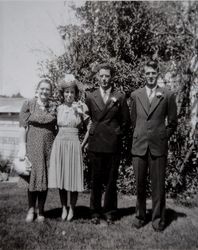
[(84, 147)]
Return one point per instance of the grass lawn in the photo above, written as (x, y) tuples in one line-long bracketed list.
[(181, 231)]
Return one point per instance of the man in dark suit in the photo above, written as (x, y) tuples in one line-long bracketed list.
[(110, 118), (154, 119)]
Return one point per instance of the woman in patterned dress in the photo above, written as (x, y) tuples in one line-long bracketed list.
[(66, 162), (38, 122)]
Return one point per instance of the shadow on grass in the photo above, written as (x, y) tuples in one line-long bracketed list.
[(81, 212), (122, 212), (171, 215), (53, 213)]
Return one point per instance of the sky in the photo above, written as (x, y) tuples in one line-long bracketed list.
[(27, 35), (28, 32)]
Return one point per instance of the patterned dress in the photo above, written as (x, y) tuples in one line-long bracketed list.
[(41, 123), (66, 162)]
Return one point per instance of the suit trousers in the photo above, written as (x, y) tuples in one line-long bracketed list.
[(104, 171), (156, 167)]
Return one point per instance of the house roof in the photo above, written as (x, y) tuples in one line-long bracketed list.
[(10, 105)]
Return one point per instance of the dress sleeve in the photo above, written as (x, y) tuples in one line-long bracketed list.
[(24, 114)]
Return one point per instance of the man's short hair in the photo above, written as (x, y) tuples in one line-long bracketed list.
[(105, 66), (153, 64)]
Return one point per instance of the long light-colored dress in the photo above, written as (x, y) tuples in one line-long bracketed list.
[(41, 125), (66, 162)]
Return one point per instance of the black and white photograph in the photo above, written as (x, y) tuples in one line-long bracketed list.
[(98, 125)]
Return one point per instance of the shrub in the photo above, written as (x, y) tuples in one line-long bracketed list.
[(5, 165)]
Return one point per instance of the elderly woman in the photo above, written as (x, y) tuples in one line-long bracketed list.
[(66, 162), (38, 122)]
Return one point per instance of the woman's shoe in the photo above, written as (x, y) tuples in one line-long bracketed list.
[(64, 213), (30, 215), (70, 214), (40, 218)]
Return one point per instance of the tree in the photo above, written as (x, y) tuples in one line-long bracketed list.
[(127, 33), (18, 95)]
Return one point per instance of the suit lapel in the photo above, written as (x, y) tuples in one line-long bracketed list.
[(156, 100), (109, 101), (143, 98), (109, 104), (98, 100)]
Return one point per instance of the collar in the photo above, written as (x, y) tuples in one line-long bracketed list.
[(41, 103), (106, 92), (148, 89)]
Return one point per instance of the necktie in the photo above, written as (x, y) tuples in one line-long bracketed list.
[(105, 96), (151, 95)]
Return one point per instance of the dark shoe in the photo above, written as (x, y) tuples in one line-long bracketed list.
[(159, 228), (138, 223)]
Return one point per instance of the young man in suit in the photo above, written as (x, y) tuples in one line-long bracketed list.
[(110, 119), (154, 119)]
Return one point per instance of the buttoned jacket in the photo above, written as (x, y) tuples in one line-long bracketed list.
[(152, 123), (109, 121)]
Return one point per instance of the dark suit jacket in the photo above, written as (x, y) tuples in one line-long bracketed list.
[(109, 121), (154, 123)]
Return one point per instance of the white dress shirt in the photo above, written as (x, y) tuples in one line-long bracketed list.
[(105, 94), (151, 93)]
